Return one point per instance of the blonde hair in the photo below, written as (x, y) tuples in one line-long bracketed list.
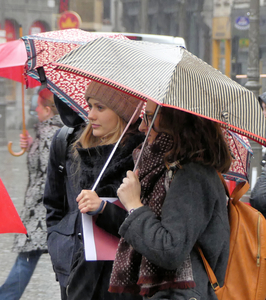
[(88, 140), (47, 99)]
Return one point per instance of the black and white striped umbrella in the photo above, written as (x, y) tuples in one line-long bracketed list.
[(170, 76)]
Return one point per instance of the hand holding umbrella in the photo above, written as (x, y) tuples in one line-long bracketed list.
[(129, 191), (24, 131), (25, 141), (13, 58), (23, 115), (89, 201)]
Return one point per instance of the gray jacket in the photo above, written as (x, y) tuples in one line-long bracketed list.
[(33, 213), (194, 210)]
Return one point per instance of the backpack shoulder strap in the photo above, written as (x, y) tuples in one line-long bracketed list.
[(224, 184), (61, 144), (212, 278), (237, 193)]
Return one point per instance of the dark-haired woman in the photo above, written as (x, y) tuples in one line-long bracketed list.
[(175, 201)]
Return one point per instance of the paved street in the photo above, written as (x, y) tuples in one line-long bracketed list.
[(13, 173)]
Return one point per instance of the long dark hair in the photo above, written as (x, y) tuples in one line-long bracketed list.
[(195, 139)]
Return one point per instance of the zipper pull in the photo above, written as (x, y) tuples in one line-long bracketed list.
[(258, 260)]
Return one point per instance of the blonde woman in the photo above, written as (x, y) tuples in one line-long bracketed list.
[(90, 147)]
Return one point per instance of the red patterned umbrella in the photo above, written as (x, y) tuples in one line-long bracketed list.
[(242, 153), (45, 48)]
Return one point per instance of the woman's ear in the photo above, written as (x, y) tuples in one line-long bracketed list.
[(48, 111)]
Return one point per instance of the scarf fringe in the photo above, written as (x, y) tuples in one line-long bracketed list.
[(155, 279), (150, 291), (135, 290)]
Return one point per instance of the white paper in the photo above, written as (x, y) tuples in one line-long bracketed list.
[(88, 235)]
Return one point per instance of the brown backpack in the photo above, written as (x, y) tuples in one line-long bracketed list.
[(245, 276)]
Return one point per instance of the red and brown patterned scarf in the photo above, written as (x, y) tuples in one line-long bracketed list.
[(132, 272)]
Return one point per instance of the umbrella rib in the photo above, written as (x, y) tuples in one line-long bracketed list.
[(238, 153), (115, 147), (146, 138)]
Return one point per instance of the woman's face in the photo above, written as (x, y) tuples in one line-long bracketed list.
[(143, 127), (43, 112), (103, 120), (264, 108)]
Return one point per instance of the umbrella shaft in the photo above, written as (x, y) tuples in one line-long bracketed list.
[(146, 138), (23, 110), (115, 147)]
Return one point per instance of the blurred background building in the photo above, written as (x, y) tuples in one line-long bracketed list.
[(214, 30), (217, 31)]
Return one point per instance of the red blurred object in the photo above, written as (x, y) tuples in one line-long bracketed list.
[(13, 57), (10, 221), (231, 185), (68, 20), (10, 30), (37, 27), (63, 6)]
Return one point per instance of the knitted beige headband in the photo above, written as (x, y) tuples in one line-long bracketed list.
[(122, 104)]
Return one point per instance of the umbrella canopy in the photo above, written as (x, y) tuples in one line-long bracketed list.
[(10, 221), (242, 153), (13, 57), (45, 48), (170, 76)]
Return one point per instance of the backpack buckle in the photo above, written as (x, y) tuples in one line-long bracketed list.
[(61, 169), (215, 285)]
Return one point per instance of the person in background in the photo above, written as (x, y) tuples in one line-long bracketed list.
[(33, 213), (67, 196), (175, 201), (258, 193), (262, 102)]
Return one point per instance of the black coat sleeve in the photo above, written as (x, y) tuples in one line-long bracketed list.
[(258, 194), (54, 191), (111, 219)]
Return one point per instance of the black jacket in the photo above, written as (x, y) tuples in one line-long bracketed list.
[(63, 216), (258, 194)]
